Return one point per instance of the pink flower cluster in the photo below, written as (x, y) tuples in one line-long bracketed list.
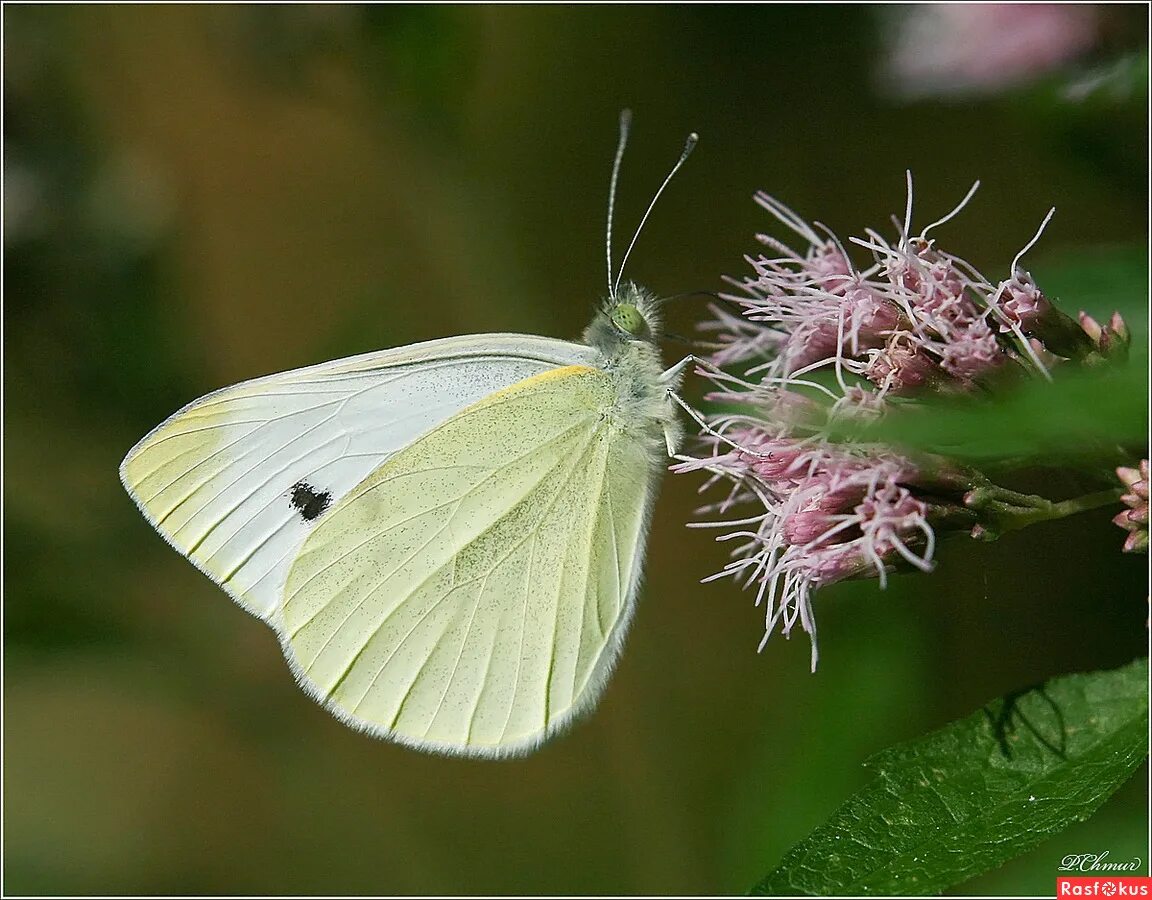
[(830, 513), (826, 343), (917, 319)]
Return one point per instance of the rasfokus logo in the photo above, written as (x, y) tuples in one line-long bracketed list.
[(1097, 862)]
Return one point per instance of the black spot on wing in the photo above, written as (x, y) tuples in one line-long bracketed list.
[(309, 502)]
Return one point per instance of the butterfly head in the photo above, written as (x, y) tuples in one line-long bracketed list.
[(631, 316)]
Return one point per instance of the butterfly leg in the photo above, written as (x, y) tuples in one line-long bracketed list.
[(708, 429), (671, 439), (671, 379), (672, 375)]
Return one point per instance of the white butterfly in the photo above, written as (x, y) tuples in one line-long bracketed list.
[(447, 538)]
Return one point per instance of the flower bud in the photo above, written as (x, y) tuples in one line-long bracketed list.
[(1134, 519), (1136, 542), (1110, 341), (1091, 327), (1119, 328)]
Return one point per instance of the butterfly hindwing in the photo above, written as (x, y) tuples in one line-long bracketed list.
[(238, 479), (470, 594)]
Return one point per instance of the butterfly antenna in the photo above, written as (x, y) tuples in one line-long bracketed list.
[(625, 124), (688, 147), (683, 294)]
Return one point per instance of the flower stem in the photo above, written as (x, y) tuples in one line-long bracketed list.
[(1001, 510), (1085, 503)]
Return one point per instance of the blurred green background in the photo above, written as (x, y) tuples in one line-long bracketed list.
[(197, 195)]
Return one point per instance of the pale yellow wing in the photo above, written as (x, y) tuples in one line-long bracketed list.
[(238, 479), (471, 594)]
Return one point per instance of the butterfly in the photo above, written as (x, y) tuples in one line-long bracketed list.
[(447, 538)]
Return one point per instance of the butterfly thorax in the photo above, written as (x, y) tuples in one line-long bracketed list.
[(627, 330)]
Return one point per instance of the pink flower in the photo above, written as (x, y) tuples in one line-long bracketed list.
[(903, 367), (830, 513), (1022, 303), (830, 268), (918, 320), (973, 351), (737, 338), (967, 48), (929, 280)]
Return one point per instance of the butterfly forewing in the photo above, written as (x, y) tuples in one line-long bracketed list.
[(238, 479), (471, 593)]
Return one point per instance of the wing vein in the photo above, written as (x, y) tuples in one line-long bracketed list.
[(520, 647), (436, 605), (388, 480), (556, 629), (561, 488), (592, 524), (424, 580)]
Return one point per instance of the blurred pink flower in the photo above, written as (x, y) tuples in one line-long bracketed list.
[(967, 48)]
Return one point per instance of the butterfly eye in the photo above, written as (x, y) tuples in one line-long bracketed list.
[(630, 320)]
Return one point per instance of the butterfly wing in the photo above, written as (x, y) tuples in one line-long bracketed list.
[(238, 479), (470, 595)]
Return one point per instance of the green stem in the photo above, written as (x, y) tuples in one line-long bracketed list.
[(1085, 503), (1001, 510)]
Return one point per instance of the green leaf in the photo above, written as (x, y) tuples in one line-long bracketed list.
[(1066, 417), (1100, 281), (966, 798), (1121, 80)]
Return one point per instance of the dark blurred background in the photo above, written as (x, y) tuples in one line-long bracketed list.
[(196, 195)]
